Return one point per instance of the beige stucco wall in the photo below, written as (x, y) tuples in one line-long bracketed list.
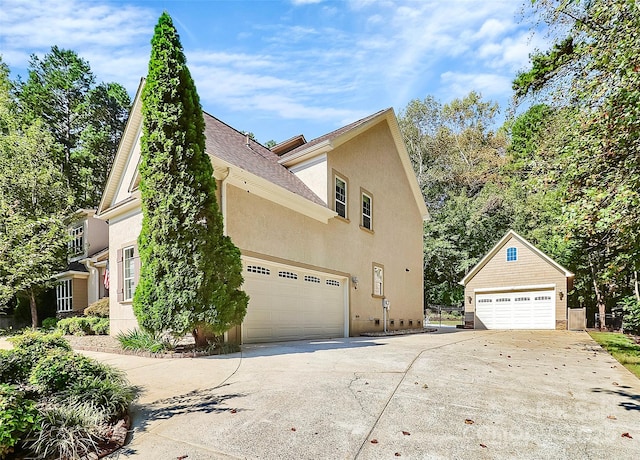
[(260, 227), (123, 232), (529, 270), (96, 235), (369, 161), (79, 300)]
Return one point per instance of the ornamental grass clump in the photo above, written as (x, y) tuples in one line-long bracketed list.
[(137, 340), (55, 403)]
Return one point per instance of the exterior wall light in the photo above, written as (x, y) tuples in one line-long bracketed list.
[(354, 280)]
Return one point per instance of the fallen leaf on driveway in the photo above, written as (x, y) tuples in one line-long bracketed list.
[(468, 421), (425, 386), (406, 433), (612, 417), (374, 441), (293, 429), (483, 446), (398, 454), (616, 383), (233, 411), (627, 435), (182, 457)]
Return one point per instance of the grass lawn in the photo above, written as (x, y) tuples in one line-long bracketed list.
[(621, 348)]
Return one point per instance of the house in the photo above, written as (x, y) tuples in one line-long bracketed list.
[(83, 282), (328, 229), (516, 286)]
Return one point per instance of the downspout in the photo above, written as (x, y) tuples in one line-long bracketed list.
[(222, 177), (93, 283)]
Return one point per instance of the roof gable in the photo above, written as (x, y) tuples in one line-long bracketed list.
[(502, 243), (225, 145), (334, 139)]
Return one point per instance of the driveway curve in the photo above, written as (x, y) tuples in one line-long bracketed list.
[(467, 394)]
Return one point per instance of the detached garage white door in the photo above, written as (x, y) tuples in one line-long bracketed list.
[(288, 303), (516, 310)]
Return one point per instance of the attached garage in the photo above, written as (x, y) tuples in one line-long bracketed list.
[(516, 286), (291, 303)]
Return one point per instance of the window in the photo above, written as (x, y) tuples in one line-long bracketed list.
[(64, 294), (341, 197), (258, 269), (378, 280), (523, 299), (76, 245), (544, 297), (290, 275), (366, 211), (129, 273), (512, 254), (311, 279), (484, 301), (333, 283)]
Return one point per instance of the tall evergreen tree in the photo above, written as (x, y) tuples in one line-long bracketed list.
[(191, 273)]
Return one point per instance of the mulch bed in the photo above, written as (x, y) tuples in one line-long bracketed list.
[(398, 332), (109, 344)]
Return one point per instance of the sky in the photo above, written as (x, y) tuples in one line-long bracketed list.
[(280, 68)]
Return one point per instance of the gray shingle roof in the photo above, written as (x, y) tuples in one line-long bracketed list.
[(330, 136), (230, 145)]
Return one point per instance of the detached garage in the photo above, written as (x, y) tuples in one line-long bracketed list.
[(516, 286)]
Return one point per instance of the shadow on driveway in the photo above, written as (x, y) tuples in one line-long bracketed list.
[(306, 346), (633, 402)]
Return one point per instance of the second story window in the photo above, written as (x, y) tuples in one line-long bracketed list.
[(76, 245), (512, 254), (341, 197), (366, 211)]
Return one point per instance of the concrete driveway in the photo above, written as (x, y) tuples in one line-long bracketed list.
[(467, 395)]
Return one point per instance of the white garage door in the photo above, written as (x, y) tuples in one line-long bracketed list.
[(516, 310), (288, 303)]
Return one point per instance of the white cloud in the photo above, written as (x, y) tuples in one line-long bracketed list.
[(489, 85), (338, 63)]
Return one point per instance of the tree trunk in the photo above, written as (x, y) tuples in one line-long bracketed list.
[(201, 335), (636, 290), (602, 308), (34, 309)]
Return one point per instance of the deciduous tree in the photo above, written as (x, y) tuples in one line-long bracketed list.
[(34, 200)]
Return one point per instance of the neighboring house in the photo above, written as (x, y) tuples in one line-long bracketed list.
[(327, 229), (516, 286), (83, 282)]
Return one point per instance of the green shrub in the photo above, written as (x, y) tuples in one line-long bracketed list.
[(144, 341), (101, 326), (68, 431), (15, 366), (29, 348), (81, 325), (49, 323), (18, 417), (631, 319), (61, 369), (76, 325), (99, 308), (38, 343)]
